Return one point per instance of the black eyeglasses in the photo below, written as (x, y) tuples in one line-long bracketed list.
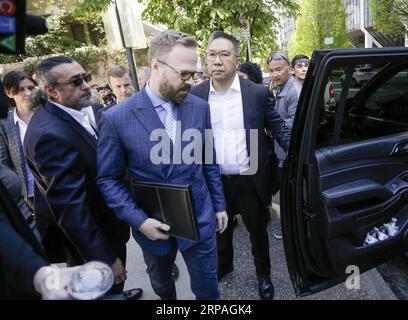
[(185, 75), (277, 56), (80, 81)]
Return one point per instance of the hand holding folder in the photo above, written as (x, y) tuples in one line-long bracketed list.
[(169, 204)]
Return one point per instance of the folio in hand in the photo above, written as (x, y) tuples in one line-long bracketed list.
[(170, 204)]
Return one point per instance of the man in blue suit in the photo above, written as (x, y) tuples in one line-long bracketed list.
[(126, 141)]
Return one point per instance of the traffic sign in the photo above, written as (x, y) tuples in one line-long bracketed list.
[(328, 40), (12, 26)]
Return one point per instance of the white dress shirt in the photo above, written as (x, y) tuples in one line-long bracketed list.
[(227, 120), (22, 127), (85, 117)]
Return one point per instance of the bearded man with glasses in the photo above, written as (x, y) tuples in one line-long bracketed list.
[(127, 143), (60, 147)]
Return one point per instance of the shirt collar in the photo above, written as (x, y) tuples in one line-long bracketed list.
[(16, 117), (235, 85), (156, 100), (76, 114)]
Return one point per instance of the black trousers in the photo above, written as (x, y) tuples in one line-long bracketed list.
[(242, 199)]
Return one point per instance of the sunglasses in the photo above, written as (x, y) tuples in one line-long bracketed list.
[(302, 61), (79, 81), (184, 75), (277, 56)]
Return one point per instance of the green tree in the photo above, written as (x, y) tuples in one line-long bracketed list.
[(200, 18), (319, 19), (390, 16)]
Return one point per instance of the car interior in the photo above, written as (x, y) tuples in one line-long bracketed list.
[(345, 193)]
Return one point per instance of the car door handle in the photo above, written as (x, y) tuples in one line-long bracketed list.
[(400, 148)]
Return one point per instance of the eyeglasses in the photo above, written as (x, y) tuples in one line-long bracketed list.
[(184, 75), (80, 81), (277, 56), (223, 55)]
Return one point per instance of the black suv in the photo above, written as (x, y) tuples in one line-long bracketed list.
[(344, 199)]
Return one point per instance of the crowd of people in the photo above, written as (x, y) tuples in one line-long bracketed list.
[(68, 152)]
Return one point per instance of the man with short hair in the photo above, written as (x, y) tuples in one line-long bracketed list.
[(143, 76), (60, 148), (300, 64), (238, 108), (120, 82), (287, 97), (164, 106)]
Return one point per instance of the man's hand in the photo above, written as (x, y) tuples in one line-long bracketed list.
[(222, 221), (153, 229), (52, 282), (119, 271)]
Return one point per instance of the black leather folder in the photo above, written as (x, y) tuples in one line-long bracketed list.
[(170, 204)]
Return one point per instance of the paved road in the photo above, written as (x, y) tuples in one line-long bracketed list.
[(241, 284)]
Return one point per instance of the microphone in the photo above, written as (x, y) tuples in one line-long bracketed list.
[(36, 25)]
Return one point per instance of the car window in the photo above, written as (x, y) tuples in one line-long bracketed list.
[(374, 105)]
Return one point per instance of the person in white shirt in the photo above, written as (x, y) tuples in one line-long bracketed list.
[(239, 108), (19, 88)]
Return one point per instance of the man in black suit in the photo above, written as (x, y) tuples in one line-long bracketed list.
[(240, 112), (60, 148)]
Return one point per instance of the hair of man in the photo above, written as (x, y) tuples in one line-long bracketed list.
[(163, 42), (45, 77), (223, 35), (298, 57)]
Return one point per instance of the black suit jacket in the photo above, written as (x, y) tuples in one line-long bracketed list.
[(21, 254), (259, 113), (62, 157)]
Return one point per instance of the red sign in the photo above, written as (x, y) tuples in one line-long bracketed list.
[(7, 8)]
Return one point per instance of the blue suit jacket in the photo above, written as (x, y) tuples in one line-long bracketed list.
[(124, 143)]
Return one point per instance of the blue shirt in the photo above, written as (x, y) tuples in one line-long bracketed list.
[(157, 101)]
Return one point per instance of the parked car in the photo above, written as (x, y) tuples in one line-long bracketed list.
[(346, 175), (360, 75)]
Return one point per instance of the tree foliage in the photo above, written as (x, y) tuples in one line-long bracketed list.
[(390, 16), (201, 17), (319, 19)]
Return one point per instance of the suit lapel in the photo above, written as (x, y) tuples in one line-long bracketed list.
[(73, 123), (14, 133), (247, 108), (147, 116), (145, 112)]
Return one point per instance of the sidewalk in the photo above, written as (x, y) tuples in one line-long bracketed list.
[(242, 284)]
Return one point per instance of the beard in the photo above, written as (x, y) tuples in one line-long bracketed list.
[(84, 101), (171, 93)]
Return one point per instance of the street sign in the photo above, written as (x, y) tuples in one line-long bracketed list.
[(12, 26), (245, 31), (329, 40), (245, 35)]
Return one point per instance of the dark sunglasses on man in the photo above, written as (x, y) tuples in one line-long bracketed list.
[(277, 56), (79, 81), (299, 62)]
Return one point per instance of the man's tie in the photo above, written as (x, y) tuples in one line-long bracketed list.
[(169, 121)]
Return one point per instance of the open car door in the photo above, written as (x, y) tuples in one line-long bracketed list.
[(346, 174)]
